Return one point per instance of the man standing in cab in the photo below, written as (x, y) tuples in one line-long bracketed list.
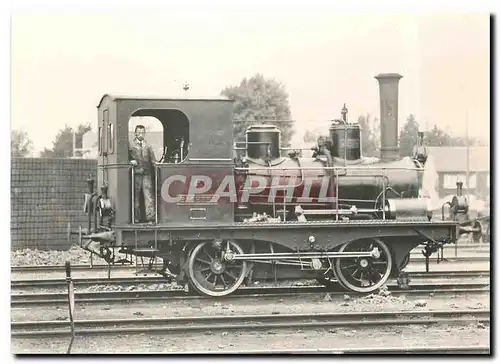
[(142, 158)]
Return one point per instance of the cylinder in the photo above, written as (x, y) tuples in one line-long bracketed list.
[(263, 141), (388, 88), (345, 139), (408, 208)]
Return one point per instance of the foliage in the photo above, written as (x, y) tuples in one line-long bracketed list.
[(260, 100), (370, 135), (311, 136), (438, 137), (62, 147), (408, 136), (21, 145), (434, 138)]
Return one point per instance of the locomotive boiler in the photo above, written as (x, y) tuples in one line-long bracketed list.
[(221, 222), (336, 178)]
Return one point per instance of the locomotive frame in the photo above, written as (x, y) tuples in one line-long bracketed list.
[(193, 235)]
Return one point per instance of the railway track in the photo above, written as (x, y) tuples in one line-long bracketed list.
[(131, 268), (108, 297), (245, 322), (87, 282), (454, 350)]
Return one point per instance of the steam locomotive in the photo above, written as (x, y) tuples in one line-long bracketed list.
[(222, 222)]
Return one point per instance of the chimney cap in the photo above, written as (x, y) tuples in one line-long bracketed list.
[(388, 76)]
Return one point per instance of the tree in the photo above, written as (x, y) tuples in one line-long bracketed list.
[(370, 135), (439, 138), (20, 144), (62, 147), (260, 100), (408, 136), (435, 137), (311, 136)]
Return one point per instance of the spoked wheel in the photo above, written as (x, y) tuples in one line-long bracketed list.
[(364, 274), (211, 273)]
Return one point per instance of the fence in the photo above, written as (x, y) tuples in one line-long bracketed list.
[(46, 194)]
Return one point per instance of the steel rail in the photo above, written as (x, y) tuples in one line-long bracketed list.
[(454, 350), (483, 259), (85, 267), (76, 267), (107, 297), (247, 322), (55, 283)]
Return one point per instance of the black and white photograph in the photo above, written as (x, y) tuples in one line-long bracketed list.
[(249, 178)]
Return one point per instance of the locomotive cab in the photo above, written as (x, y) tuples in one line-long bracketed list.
[(183, 153)]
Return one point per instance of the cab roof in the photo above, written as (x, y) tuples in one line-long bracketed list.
[(159, 98)]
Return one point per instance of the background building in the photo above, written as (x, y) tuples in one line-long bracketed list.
[(451, 166)]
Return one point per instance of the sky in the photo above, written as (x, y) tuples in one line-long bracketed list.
[(62, 63)]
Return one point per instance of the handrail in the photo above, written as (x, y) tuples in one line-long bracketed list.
[(368, 168), (132, 202), (157, 169), (383, 196), (337, 194)]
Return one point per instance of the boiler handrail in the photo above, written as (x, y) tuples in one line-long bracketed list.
[(368, 168)]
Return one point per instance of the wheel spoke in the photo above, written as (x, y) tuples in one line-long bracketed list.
[(230, 274), (209, 256), (203, 261), (223, 280), (202, 269), (215, 279), (361, 282)]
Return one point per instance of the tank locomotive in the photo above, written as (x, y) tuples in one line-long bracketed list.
[(223, 221)]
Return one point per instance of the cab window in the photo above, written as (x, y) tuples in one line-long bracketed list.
[(167, 132)]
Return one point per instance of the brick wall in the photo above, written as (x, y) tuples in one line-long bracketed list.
[(46, 194)]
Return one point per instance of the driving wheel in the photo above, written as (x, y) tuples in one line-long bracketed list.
[(364, 274), (211, 271)]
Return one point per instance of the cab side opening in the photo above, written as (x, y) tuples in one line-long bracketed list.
[(167, 132)]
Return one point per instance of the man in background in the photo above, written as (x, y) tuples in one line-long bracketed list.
[(142, 158)]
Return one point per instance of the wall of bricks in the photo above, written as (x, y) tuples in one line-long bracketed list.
[(46, 194)]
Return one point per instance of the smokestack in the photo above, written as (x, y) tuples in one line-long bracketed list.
[(388, 86)]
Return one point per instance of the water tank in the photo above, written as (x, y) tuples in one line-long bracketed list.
[(346, 140), (263, 141)]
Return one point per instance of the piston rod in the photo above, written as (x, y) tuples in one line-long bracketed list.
[(375, 253)]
